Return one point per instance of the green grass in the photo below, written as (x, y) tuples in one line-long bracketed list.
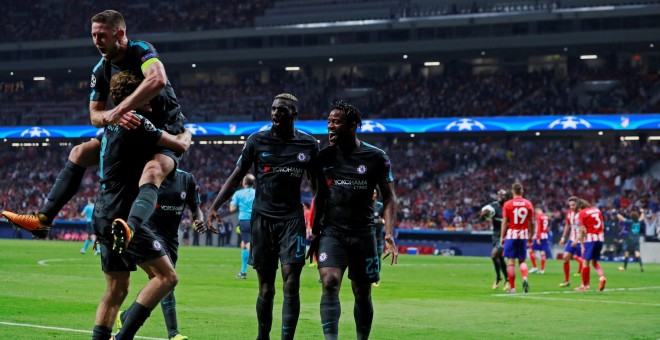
[(424, 297)]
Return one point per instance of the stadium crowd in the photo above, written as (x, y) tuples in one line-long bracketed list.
[(441, 183), (29, 17), (450, 94)]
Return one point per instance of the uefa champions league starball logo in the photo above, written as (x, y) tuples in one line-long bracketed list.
[(35, 131), (569, 122), (372, 126), (465, 124), (195, 129)]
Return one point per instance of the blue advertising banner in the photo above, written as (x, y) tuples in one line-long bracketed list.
[(622, 122)]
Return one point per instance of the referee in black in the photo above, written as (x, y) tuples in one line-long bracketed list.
[(344, 233)]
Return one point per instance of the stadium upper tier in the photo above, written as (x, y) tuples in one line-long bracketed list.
[(449, 94), (33, 20)]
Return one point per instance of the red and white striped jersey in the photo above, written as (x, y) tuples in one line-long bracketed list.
[(592, 219), (518, 211), (572, 221), (542, 225)]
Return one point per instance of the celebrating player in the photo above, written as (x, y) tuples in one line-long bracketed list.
[(280, 156), (344, 228), (571, 250), (591, 240), (121, 166), (118, 53), (541, 242), (517, 226)]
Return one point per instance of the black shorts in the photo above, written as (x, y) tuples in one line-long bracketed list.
[(632, 244), (355, 251), (274, 239), (170, 243), (111, 261), (145, 245), (246, 231)]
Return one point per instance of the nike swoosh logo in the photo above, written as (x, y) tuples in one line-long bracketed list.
[(266, 154), (299, 255), (327, 323)]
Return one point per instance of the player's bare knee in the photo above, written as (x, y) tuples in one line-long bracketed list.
[(170, 280), (117, 294), (152, 174), (85, 154)]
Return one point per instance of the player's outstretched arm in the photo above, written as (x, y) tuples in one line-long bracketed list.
[(228, 189), (389, 213), (620, 218)]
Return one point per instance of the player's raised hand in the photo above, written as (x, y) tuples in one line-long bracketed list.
[(129, 121), (112, 116), (313, 247), (391, 250)]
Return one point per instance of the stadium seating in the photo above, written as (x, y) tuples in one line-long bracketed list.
[(457, 94), (437, 180)]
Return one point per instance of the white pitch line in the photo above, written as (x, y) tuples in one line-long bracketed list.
[(526, 296), (65, 329), (45, 262), (577, 292), (535, 296)]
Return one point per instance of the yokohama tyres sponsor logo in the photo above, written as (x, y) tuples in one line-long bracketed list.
[(295, 172), (358, 184), (171, 208)]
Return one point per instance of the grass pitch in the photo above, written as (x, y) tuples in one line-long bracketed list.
[(50, 291)]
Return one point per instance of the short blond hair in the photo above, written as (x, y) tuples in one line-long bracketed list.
[(291, 98)]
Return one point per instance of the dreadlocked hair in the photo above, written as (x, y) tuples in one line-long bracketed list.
[(353, 115)]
